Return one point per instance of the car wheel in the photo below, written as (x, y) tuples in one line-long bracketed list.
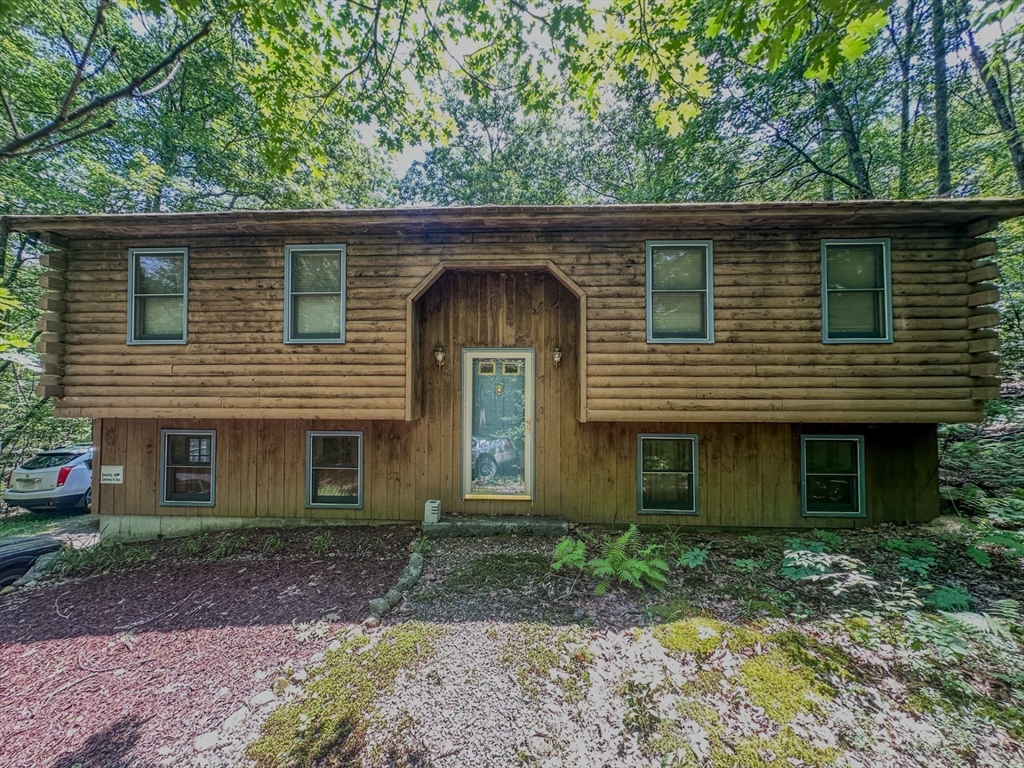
[(486, 467), (11, 572), (87, 501)]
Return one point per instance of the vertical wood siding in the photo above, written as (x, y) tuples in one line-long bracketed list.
[(749, 473)]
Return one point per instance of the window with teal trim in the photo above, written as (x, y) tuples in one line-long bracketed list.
[(856, 291), (667, 474), (832, 469)]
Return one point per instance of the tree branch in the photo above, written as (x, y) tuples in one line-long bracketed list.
[(130, 91), (101, 7)]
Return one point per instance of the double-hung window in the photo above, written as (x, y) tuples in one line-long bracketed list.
[(188, 460), (314, 277), (856, 286), (667, 474), (832, 475), (157, 295), (334, 469), (680, 303)]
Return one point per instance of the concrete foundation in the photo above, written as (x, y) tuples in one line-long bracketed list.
[(149, 527)]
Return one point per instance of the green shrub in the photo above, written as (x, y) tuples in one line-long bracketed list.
[(694, 558), (103, 558)]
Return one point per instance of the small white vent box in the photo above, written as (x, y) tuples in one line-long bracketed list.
[(432, 511)]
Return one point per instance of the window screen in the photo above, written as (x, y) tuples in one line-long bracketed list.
[(316, 293), (667, 482), (856, 291), (158, 290), (679, 280)]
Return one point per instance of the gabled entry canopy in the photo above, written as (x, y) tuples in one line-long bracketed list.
[(413, 388)]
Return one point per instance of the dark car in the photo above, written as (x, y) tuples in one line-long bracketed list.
[(18, 553), (491, 455)]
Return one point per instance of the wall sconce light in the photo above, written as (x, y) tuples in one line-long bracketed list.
[(439, 354), (557, 356)]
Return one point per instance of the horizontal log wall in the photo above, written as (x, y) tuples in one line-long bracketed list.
[(768, 363), (749, 473)]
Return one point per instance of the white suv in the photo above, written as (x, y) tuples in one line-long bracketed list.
[(59, 479)]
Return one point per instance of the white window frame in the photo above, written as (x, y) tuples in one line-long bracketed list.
[(695, 453), (886, 244), (310, 435), (288, 304), (709, 291), (133, 254), (861, 481), (164, 434)]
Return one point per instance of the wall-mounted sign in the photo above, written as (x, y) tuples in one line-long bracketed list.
[(112, 475)]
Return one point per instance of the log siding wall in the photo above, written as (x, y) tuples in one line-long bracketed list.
[(767, 364)]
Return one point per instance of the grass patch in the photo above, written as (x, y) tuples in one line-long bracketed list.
[(500, 570), (328, 726), (103, 558), (30, 523)]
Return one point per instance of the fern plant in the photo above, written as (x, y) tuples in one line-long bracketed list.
[(624, 560), (569, 553)]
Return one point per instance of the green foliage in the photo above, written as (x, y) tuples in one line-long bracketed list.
[(917, 565), (273, 544), (322, 544), (29, 523), (228, 545), (626, 560), (750, 538), (747, 565), (913, 547), (830, 539), (946, 598), (103, 558), (192, 546), (569, 553), (694, 558)]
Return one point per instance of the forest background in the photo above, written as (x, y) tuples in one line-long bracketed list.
[(185, 105)]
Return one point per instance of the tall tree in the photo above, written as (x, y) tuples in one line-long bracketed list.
[(941, 85)]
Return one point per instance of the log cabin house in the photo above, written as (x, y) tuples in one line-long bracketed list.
[(776, 364)]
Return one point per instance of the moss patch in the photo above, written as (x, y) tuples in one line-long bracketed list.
[(674, 609), (778, 686), (534, 651), (327, 727), (784, 749), (700, 635)]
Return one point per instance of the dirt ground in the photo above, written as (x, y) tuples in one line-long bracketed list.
[(125, 668)]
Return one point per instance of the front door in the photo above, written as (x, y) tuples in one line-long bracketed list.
[(497, 423)]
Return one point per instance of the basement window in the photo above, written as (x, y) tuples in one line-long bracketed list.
[(334, 469), (667, 474), (187, 461), (856, 286), (680, 304), (314, 277), (157, 295), (832, 476)]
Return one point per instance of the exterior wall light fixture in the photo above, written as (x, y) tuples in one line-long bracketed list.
[(439, 354), (557, 356)]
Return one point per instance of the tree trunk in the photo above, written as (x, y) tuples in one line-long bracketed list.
[(904, 57), (945, 185), (851, 138), (1004, 114)]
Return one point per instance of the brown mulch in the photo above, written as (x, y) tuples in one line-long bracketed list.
[(106, 671)]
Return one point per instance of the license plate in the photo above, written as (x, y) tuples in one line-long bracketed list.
[(28, 482)]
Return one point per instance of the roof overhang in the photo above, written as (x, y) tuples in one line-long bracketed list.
[(975, 216)]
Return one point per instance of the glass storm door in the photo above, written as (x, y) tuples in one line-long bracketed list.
[(497, 423)]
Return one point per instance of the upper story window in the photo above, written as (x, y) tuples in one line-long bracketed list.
[(856, 286), (314, 278), (680, 306), (157, 295), (832, 475)]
